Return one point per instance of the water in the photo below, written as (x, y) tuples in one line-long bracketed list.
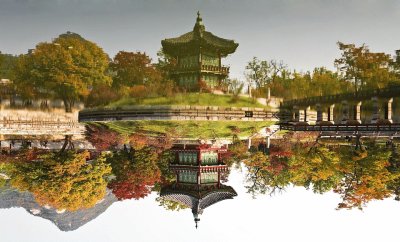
[(74, 187)]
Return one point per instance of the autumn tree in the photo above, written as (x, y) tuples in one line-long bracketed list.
[(102, 137), (363, 68), (365, 179), (66, 68), (266, 175), (63, 180), (316, 167), (136, 173), (133, 68)]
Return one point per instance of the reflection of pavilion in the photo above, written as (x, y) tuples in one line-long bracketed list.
[(198, 172)]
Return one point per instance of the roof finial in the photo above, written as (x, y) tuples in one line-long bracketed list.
[(199, 27)]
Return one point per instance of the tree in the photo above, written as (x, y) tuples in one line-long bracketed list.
[(266, 175), (102, 137), (7, 63), (262, 72), (67, 68), (63, 180), (316, 167), (363, 68), (130, 68), (136, 172)]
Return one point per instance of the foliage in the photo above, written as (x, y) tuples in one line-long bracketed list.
[(136, 76), (7, 63), (67, 68), (102, 94), (102, 137), (358, 176), (365, 69), (63, 180), (136, 172), (199, 99), (266, 175), (262, 73), (170, 205), (365, 177)]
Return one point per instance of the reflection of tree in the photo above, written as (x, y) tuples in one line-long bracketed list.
[(358, 176), (394, 167), (102, 137), (365, 177), (266, 175), (170, 205), (136, 172), (63, 180), (314, 167), (5, 169)]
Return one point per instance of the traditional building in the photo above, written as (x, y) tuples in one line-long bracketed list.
[(199, 171), (198, 54)]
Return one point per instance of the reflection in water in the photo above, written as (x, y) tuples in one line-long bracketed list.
[(198, 171), (67, 184), (64, 220), (70, 184), (357, 174)]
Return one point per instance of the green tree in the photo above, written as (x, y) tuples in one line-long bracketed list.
[(67, 68)]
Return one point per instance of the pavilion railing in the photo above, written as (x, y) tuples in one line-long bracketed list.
[(222, 69)]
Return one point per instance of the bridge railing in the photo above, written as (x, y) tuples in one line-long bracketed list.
[(385, 92), (343, 127)]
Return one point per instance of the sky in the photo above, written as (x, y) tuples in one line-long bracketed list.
[(294, 215), (301, 33)]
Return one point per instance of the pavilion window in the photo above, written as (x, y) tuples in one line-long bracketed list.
[(189, 177), (209, 177)]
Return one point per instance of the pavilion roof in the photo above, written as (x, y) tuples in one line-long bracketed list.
[(199, 38), (198, 200)]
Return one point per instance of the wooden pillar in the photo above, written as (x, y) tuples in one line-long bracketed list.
[(319, 113), (330, 113), (357, 112), (219, 178), (345, 112), (388, 110), (375, 110), (199, 157), (268, 142), (305, 114), (295, 114)]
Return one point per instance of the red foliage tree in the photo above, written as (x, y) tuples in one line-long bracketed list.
[(102, 137)]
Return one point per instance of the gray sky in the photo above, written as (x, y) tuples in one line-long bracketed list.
[(301, 33)]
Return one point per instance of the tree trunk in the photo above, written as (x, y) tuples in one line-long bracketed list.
[(68, 105)]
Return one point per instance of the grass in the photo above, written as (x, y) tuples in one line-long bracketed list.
[(200, 99), (189, 129)]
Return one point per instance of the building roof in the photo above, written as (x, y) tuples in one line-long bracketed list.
[(199, 37), (197, 200)]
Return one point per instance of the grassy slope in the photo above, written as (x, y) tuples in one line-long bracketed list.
[(189, 129), (201, 99)]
